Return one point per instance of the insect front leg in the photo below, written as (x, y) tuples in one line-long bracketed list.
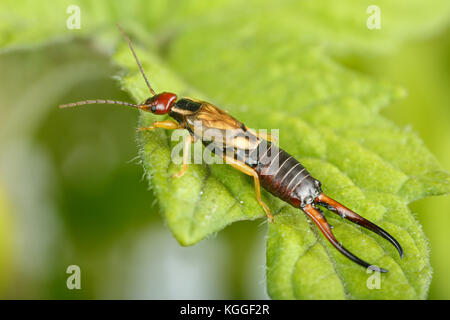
[(188, 140), (167, 124), (242, 167)]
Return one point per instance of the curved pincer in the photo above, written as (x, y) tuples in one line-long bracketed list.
[(348, 214), (319, 219)]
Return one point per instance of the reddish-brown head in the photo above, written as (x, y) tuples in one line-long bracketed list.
[(159, 103)]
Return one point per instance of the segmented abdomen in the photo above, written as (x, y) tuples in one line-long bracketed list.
[(283, 176)]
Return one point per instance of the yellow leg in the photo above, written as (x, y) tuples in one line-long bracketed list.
[(186, 153), (167, 124), (172, 125), (251, 172)]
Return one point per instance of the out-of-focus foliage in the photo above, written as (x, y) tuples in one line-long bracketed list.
[(184, 44), (5, 241)]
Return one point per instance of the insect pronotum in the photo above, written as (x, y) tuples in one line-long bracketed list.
[(290, 181)]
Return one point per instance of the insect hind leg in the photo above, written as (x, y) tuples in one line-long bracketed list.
[(251, 172)]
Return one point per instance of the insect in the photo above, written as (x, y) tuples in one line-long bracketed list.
[(288, 180)]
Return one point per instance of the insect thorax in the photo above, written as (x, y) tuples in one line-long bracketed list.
[(187, 106)]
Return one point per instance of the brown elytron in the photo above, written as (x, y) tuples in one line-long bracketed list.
[(251, 153)]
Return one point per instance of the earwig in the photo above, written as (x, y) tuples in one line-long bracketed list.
[(273, 169)]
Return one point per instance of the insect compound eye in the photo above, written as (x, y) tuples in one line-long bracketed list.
[(153, 108)]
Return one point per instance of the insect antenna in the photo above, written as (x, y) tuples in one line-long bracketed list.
[(98, 101), (136, 58)]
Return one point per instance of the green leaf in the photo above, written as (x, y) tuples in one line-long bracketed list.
[(271, 66), (329, 119)]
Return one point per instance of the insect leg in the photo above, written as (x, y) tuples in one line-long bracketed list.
[(167, 124), (319, 219), (186, 153), (348, 214), (242, 167)]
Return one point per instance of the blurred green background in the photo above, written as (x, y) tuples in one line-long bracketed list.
[(72, 192)]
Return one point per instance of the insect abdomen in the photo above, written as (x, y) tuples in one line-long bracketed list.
[(283, 176)]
